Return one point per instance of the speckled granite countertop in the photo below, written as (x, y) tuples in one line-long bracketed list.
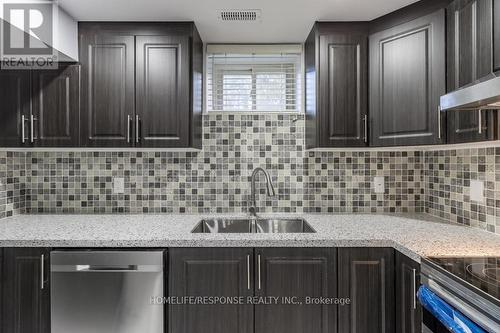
[(414, 235)]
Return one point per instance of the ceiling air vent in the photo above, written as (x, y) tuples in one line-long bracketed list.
[(240, 15)]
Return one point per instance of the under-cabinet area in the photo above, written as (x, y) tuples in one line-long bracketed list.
[(321, 290)]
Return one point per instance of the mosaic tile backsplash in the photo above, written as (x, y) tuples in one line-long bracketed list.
[(448, 174), (12, 183), (217, 178)]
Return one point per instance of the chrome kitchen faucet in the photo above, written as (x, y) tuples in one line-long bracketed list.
[(269, 187)]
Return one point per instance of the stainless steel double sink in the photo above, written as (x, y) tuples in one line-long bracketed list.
[(256, 225)]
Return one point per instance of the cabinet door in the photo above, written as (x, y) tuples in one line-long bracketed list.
[(25, 291), (407, 78), (496, 35), (463, 126), (56, 106), (469, 41), (211, 272), (469, 58), (366, 276), (343, 96), (15, 103), (107, 89), (1, 289), (408, 308), (162, 91), (300, 273)]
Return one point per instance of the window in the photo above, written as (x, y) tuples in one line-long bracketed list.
[(254, 78)]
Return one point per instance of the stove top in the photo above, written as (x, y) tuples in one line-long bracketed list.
[(480, 273)]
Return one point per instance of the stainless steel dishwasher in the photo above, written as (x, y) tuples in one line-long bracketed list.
[(106, 291)]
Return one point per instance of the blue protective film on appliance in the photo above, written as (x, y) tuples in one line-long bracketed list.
[(451, 318)]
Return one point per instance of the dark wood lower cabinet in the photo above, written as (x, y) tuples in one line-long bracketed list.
[(1, 289), (211, 272), (380, 283), (408, 308), (295, 272), (366, 276), (25, 290), (289, 275)]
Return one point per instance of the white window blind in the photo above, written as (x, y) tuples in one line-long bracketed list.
[(254, 78)]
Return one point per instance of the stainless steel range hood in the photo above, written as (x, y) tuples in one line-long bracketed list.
[(484, 95)]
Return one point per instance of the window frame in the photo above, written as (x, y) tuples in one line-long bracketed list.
[(295, 108)]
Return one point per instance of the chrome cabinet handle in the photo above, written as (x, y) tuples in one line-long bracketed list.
[(137, 120), (365, 119), (414, 288), (23, 131), (259, 272), (128, 128), (42, 273), (32, 127), (439, 121), (480, 120), (248, 272)]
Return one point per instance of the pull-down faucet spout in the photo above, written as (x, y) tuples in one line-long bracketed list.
[(269, 188)]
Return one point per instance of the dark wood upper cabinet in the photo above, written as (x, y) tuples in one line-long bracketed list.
[(141, 84), (211, 272), (407, 78), (496, 35), (162, 91), (469, 58), (336, 58), (463, 126), (56, 103), (469, 41), (366, 276), (107, 105), (25, 290), (42, 105), (300, 273), (14, 107), (408, 308)]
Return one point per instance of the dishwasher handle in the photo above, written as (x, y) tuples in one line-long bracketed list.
[(106, 261), (91, 268), (106, 269)]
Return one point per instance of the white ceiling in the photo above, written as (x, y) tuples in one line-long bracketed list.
[(283, 21)]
